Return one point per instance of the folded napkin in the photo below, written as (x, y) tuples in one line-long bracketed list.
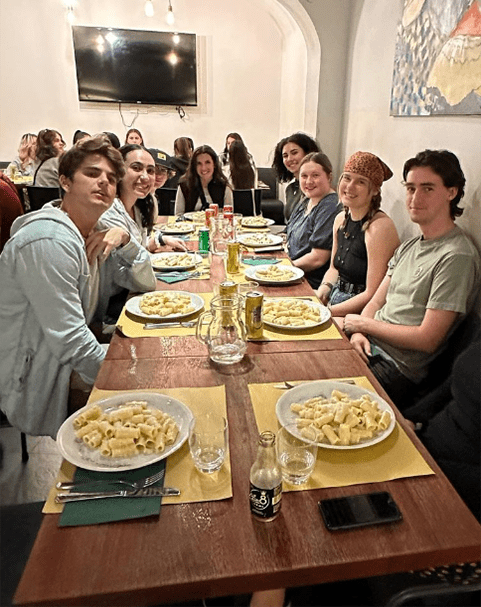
[(93, 512), (258, 261), (171, 279)]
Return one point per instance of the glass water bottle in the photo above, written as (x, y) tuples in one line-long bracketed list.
[(266, 480)]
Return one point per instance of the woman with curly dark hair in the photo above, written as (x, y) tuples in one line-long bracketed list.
[(364, 237), (203, 183), (288, 155), (135, 209), (50, 146)]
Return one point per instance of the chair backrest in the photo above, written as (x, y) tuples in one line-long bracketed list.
[(243, 202), (38, 196), (166, 200), (268, 176)]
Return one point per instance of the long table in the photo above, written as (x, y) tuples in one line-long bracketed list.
[(212, 549)]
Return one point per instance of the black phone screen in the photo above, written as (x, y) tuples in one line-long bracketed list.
[(359, 510)]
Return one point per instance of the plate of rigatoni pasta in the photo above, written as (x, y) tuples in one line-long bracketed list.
[(344, 416), (124, 432)]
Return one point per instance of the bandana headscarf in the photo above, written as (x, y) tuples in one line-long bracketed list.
[(370, 166)]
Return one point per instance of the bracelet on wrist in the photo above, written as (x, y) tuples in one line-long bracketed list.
[(160, 239), (328, 284)]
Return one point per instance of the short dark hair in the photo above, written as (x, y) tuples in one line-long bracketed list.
[(78, 135), (100, 144), (445, 164), (307, 143)]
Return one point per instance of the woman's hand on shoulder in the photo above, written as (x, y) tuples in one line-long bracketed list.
[(100, 244)]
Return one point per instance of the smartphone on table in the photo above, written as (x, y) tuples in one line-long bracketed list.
[(359, 510)]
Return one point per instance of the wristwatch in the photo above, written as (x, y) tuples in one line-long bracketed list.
[(159, 239), (328, 284)]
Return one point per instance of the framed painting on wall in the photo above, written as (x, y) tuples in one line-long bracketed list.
[(437, 62)]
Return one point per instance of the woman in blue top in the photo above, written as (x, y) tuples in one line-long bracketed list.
[(309, 230)]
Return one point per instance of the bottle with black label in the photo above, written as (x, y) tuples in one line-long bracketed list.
[(266, 480)]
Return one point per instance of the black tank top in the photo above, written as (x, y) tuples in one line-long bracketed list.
[(351, 255)]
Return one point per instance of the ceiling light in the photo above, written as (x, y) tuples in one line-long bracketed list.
[(170, 15), (149, 8)]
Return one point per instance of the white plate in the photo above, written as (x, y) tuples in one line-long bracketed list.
[(324, 313), (303, 392), (133, 306), (79, 454), (251, 272), (195, 216), (157, 258), (182, 227), (266, 222), (259, 239)]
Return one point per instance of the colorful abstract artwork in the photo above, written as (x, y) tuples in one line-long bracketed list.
[(437, 62)]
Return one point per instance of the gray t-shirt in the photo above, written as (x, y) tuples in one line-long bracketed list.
[(441, 273)]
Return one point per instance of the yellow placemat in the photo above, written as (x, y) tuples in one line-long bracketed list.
[(394, 457), (132, 326), (180, 470), (241, 276)]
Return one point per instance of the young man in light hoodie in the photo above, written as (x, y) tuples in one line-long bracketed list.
[(57, 273)]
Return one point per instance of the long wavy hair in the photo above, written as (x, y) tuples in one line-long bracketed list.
[(305, 142), (45, 148), (225, 153), (191, 177), (27, 149), (242, 174), (145, 205)]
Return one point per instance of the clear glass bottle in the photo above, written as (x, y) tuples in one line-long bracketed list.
[(266, 480)]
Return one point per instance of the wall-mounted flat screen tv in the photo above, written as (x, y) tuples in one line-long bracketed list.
[(135, 66)]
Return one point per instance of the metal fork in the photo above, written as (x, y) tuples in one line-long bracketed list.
[(161, 325), (136, 485), (287, 385)]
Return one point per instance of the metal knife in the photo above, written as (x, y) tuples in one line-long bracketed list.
[(63, 498)]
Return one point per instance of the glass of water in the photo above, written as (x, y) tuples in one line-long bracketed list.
[(208, 441), (296, 453)]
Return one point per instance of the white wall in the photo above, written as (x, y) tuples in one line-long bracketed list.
[(395, 139), (246, 59)]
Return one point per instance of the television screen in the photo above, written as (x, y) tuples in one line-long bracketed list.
[(135, 66)]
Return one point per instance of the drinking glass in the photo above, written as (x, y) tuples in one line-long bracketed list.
[(208, 440), (296, 454)]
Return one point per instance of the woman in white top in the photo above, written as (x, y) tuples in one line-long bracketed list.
[(23, 164), (203, 183), (135, 209)]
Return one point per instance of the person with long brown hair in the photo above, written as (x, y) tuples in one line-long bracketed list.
[(364, 237), (134, 136), (50, 146), (183, 150), (239, 171), (203, 183)]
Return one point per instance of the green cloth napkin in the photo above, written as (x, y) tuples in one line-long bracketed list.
[(109, 510), (260, 261), (172, 279)]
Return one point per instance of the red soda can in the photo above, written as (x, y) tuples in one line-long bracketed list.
[(214, 206), (228, 208), (208, 214), (230, 216)]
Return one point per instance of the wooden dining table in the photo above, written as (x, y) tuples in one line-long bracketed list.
[(216, 548)]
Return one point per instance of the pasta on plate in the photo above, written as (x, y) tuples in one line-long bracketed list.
[(163, 303), (342, 420), (291, 313), (130, 429)]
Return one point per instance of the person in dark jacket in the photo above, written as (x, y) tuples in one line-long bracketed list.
[(203, 183), (448, 424)]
